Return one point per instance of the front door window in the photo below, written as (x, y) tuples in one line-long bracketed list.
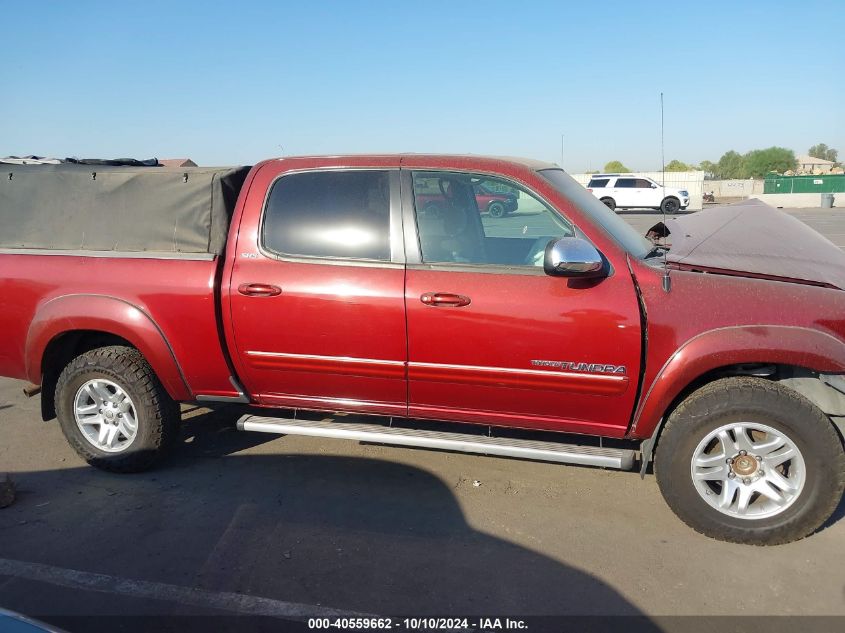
[(475, 219)]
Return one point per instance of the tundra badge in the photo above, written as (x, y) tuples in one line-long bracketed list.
[(593, 368)]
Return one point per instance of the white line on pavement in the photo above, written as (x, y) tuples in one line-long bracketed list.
[(237, 602)]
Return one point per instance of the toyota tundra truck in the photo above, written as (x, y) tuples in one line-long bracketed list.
[(712, 353)]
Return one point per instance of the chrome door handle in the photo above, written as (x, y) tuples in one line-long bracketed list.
[(259, 290), (445, 299)]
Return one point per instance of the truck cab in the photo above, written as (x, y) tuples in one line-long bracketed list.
[(402, 308)]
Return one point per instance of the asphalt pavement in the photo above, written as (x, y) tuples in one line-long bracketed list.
[(250, 524)]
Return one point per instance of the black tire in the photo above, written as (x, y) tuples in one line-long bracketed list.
[(610, 203), (496, 209), (670, 205), (755, 401), (157, 415)]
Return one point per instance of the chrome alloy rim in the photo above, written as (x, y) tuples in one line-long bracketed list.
[(106, 416), (748, 470)]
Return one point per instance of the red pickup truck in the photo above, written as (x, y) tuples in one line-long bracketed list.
[(318, 284)]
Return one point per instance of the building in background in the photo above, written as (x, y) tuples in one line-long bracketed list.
[(177, 162), (812, 165)]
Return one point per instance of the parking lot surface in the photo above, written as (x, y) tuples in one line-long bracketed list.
[(239, 523)]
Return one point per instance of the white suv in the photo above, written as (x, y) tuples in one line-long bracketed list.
[(628, 191)]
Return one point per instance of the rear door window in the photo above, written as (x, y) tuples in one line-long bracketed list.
[(329, 214), (626, 183)]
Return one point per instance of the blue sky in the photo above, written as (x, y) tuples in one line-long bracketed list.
[(232, 83)]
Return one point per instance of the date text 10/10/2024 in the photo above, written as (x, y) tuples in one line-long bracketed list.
[(418, 624)]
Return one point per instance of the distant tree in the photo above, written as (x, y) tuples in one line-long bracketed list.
[(760, 162), (708, 168), (676, 165), (824, 152), (614, 166), (754, 164), (731, 165)]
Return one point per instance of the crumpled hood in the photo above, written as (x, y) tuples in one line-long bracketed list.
[(753, 237)]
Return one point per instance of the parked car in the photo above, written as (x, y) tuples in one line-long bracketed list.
[(629, 191), (496, 203), (319, 283)]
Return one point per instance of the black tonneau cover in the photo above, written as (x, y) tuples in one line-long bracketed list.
[(127, 209)]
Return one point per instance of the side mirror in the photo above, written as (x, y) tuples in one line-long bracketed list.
[(573, 257), (653, 186)]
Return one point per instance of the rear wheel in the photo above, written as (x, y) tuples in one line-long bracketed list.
[(113, 410), (749, 461), (610, 203), (432, 210), (496, 209), (670, 205)]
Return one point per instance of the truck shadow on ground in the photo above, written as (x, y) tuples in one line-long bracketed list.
[(351, 533), (837, 515), (213, 434)]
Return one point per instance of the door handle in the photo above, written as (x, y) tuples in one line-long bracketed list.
[(444, 299), (259, 290)]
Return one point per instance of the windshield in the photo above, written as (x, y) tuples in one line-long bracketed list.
[(621, 231)]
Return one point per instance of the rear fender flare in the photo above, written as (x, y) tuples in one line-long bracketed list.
[(734, 345), (110, 315)]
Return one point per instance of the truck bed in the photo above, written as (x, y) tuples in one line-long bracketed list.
[(178, 289)]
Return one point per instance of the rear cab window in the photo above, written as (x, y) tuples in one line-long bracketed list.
[(330, 215)]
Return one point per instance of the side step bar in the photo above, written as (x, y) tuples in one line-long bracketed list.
[(621, 459)]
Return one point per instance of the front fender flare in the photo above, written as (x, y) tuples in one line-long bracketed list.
[(734, 345), (111, 315)]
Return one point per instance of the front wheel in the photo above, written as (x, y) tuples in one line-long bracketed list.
[(670, 205), (113, 410), (749, 461)]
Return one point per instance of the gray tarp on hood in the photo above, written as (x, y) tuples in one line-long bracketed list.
[(105, 208), (753, 237)]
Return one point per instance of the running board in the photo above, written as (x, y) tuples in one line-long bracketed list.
[(621, 459)]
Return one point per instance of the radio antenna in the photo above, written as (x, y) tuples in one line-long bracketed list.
[(667, 283)]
